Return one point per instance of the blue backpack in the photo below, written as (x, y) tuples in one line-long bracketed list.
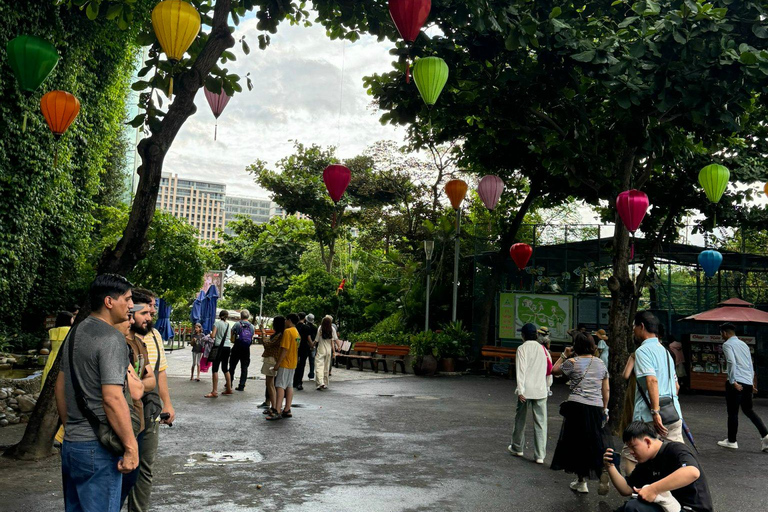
[(245, 336)]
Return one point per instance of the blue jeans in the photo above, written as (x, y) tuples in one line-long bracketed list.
[(90, 477), (312, 355)]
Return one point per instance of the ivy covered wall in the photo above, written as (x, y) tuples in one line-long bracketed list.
[(47, 212)]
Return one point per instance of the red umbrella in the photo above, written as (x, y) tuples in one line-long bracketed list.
[(217, 103)]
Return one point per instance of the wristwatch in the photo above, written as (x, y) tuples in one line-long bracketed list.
[(655, 412)]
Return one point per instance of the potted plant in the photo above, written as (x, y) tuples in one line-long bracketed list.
[(424, 351), (453, 344)]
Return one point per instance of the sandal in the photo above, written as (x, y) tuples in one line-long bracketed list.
[(272, 417), (287, 414), (211, 395), (228, 392), (269, 411)]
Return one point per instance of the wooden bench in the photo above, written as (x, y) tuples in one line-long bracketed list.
[(364, 352), (492, 354), (398, 351)]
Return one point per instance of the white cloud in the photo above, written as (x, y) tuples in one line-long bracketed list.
[(296, 95)]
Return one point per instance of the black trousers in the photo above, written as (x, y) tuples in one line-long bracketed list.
[(636, 505), (242, 355), (301, 365), (735, 399)]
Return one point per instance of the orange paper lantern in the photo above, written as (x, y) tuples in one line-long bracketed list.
[(456, 190), (60, 108)]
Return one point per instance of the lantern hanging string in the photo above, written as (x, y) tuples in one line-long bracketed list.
[(341, 95)]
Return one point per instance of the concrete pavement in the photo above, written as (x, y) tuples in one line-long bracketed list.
[(379, 444)]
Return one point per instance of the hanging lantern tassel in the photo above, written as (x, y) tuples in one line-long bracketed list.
[(215, 130), (56, 152), (632, 248), (407, 72), (170, 89)]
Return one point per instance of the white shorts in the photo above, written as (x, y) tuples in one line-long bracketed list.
[(284, 378)]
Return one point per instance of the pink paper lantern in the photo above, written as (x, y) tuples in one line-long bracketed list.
[(632, 206), (336, 178), (217, 103), (490, 189)]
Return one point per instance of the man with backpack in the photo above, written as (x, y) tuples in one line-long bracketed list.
[(242, 336)]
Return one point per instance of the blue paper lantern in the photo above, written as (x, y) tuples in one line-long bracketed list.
[(710, 261)]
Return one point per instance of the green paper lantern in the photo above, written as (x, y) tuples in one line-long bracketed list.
[(714, 178), (430, 75), (32, 60)]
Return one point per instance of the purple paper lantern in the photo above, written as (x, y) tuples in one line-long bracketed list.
[(490, 189), (217, 103)]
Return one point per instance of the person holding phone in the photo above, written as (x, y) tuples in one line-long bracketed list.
[(667, 478)]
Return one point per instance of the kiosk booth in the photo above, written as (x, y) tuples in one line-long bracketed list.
[(703, 345)]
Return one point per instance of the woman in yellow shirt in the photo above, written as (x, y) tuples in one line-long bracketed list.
[(56, 336)]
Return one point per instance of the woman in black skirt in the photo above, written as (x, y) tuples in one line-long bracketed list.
[(583, 437)]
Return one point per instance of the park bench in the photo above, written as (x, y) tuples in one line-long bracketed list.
[(492, 354), (398, 351), (364, 352)]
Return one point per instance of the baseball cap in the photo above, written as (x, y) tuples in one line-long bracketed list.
[(528, 331)]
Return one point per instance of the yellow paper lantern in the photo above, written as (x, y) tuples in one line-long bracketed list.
[(176, 24)]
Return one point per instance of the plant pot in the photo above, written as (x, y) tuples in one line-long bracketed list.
[(461, 364), (447, 365), (425, 366)]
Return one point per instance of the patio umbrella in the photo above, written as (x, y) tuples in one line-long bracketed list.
[(208, 314), (163, 324), (197, 308)]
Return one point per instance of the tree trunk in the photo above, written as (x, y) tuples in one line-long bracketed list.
[(131, 248), (497, 269)]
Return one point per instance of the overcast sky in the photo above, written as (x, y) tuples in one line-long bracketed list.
[(296, 95)]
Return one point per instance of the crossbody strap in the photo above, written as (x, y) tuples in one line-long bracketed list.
[(640, 388), (157, 348), (82, 405)]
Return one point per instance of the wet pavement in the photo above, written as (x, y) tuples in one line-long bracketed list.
[(379, 444)]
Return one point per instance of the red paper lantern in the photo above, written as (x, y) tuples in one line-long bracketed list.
[(632, 206), (456, 190), (336, 178), (409, 16), (520, 254)]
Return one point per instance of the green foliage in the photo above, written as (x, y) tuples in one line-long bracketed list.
[(311, 292), (455, 340), (47, 214), (20, 342)]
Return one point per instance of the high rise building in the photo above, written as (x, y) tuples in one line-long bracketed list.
[(201, 203)]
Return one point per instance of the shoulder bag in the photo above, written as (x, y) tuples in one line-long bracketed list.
[(667, 409), (103, 430), (215, 351), (564, 406)]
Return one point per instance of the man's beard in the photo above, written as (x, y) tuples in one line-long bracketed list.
[(143, 330)]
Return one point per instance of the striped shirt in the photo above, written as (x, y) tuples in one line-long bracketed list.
[(152, 349)]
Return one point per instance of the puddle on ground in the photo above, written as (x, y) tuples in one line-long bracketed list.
[(222, 458), (410, 397)]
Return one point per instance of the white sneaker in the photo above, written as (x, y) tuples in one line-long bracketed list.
[(539, 461), (765, 444), (580, 487), (513, 452), (604, 487), (727, 444)]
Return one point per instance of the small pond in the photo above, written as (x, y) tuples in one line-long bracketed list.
[(18, 373)]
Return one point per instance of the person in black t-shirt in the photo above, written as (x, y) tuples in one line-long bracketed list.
[(667, 477), (304, 351)]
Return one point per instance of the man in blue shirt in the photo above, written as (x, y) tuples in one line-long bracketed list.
[(656, 379), (738, 387)]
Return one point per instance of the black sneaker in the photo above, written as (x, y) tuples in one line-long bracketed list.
[(240, 388), (300, 388)]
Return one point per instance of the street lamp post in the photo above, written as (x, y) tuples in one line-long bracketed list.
[(429, 246), (263, 280)]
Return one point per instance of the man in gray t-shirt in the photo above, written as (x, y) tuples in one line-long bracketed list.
[(100, 358), (91, 474)]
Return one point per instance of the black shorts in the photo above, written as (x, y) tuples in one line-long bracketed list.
[(222, 360)]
